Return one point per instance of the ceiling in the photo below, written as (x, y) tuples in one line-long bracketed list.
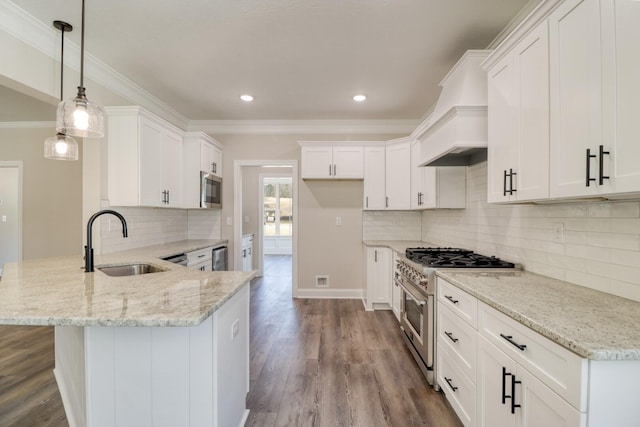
[(301, 60)]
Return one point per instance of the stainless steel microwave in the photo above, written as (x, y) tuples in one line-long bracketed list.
[(210, 191)]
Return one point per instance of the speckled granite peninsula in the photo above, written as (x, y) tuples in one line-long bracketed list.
[(169, 347)]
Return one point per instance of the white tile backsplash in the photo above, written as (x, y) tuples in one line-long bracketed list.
[(391, 225), (152, 226), (600, 246)]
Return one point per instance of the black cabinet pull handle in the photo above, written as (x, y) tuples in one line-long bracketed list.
[(601, 175), (505, 374), (450, 298), (168, 200), (509, 338), (386, 202), (448, 380), (329, 170), (589, 157), (367, 201), (504, 183), (514, 405), (450, 335), (511, 174)]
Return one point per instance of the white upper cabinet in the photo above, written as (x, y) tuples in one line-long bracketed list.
[(374, 178), (333, 161), (144, 159), (595, 96), (518, 121), (398, 176), (201, 153), (436, 187)]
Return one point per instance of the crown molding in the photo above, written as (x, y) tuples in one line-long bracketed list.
[(27, 125), (304, 127), (44, 38)]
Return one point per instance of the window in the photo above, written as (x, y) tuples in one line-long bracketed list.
[(278, 208)]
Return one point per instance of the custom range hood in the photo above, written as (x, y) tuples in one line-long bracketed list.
[(455, 134)]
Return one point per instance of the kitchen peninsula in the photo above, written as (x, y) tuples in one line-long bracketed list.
[(166, 348)]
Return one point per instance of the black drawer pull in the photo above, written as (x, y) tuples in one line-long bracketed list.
[(589, 157), (505, 374), (448, 380), (601, 175), (450, 298), (514, 405), (450, 335), (504, 183), (509, 338)]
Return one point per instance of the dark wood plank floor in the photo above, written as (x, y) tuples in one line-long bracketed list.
[(330, 363), (29, 394)]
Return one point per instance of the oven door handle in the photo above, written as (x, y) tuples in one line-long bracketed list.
[(413, 297)]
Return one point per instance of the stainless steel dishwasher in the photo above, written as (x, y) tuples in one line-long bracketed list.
[(219, 258)]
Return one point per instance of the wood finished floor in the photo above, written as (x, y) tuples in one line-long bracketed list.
[(331, 363), (29, 394)]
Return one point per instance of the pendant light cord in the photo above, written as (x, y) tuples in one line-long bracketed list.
[(62, 66), (82, 48)]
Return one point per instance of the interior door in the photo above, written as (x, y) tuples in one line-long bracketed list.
[(10, 214)]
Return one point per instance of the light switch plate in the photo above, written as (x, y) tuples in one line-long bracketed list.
[(558, 232), (338, 220)]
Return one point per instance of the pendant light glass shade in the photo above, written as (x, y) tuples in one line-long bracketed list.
[(61, 147), (80, 117)]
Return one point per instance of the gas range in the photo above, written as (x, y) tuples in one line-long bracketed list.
[(419, 265)]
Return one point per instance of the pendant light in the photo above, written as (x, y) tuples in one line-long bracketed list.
[(79, 116), (61, 146)]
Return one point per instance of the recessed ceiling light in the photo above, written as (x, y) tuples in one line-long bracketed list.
[(359, 98), (246, 98)]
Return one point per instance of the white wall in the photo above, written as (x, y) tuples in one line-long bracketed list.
[(600, 247)]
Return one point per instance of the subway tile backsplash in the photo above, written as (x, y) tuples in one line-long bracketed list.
[(391, 225), (598, 247), (152, 226)]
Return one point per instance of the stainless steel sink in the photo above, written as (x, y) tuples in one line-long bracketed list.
[(130, 269)]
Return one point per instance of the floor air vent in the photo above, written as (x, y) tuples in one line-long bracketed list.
[(322, 281)]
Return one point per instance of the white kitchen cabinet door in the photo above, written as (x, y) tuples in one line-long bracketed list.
[(151, 162), (378, 278), (518, 94), (206, 156), (540, 406), (576, 99), (398, 176), (374, 178), (317, 162), (172, 168), (348, 162), (495, 370), (621, 94), (417, 177)]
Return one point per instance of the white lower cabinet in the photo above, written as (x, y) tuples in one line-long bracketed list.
[(378, 272), (396, 292), (247, 252), (517, 377)]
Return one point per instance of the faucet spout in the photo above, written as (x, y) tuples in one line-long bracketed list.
[(88, 249)]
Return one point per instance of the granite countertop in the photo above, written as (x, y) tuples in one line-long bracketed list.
[(57, 291), (592, 324), (398, 246)]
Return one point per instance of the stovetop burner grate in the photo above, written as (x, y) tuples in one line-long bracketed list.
[(454, 258)]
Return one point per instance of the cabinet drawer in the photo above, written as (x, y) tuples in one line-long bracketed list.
[(459, 338), (558, 368), (199, 255), (460, 302), (460, 391)]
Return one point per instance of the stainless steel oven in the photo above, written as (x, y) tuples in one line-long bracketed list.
[(417, 318)]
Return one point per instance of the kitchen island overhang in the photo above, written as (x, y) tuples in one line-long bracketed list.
[(159, 349)]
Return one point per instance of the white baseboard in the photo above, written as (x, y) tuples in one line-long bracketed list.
[(328, 293), (66, 403), (244, 419)]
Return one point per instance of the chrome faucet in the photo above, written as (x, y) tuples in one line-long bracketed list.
[(88, 250)]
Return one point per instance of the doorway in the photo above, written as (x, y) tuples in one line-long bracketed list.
[(10, 212), (248, 178)]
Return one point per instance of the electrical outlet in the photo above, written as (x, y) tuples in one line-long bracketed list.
[(235, 329), (338, 220), (246, 218), (4, 218), (558, 232), (229, 220)]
